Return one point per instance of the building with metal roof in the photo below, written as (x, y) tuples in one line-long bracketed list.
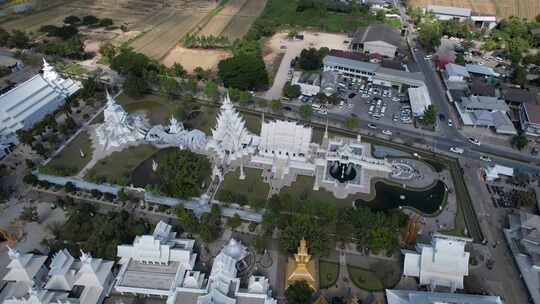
[(383, 39), (420, 100), (455, 72), (481, 70), (29, 102), (484, 111), (449, 12), (394, 296), (523, 238), (529, 117)]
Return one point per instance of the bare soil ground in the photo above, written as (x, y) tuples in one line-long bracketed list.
[(242, 21), (192, 58), (503, 8)]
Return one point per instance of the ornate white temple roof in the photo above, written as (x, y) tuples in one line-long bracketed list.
[(444, 263), (23, 267), (61, 273), (31, 100), (230, 134), (284, 138)]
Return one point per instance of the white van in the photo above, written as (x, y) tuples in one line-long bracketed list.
[(457, 150), (315, 106)]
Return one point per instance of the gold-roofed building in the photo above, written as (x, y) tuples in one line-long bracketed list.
[(321, 300), (302, 267)]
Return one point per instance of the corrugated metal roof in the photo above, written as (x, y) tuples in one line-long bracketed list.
[(354, 64), (453, 69), (480, 69), (420, 100), (450, 10)]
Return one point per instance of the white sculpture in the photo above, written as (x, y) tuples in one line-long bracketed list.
[(154, 165), (118, 128), (175, 127)]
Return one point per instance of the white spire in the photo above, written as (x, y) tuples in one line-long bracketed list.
[(110, 100), (86, 258), (175, 127), (48, 72), (154, 165), (13, 253)]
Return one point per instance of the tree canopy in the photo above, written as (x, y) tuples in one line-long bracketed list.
[(183, 173), (299, 293), (430, 35), (311, 59), (244, 71)]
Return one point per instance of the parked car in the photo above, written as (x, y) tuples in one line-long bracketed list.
[(450, 124), (474, 141), (387, 132), (485, 158), (372, 126), (457, 150), (352, 95)]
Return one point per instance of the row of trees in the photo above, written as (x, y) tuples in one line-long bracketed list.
[(14, 39), (88, 20), (208, 226), (206, 42)]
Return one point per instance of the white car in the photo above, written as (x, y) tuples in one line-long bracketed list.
[(485, 158), (450, 123), (387, 132), (457, 150), (372, 126), (395, 99), (474, 141)]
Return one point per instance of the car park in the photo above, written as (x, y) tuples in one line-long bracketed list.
[(474, 141), (457, 150)]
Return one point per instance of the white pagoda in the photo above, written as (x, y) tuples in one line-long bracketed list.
[(230, 136), (175, 126), (443, 264), (117, 128)]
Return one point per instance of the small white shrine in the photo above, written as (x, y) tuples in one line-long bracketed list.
[(118, 127), (444, 263)]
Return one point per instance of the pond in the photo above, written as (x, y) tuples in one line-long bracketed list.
[(390, 197)]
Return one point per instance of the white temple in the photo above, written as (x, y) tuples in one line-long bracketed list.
[(118, 128), (67, 282), (230, 137), (444, 264), (161, 265), (30, 101)]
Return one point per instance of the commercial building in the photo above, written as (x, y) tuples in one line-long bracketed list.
[(394, 296), (443, 264), (419, 99), (497, 171), (309, 82), (68, 281), (523, 238), (382, 39), (31, 100), (456, 73), (349, 65), (529, 117)]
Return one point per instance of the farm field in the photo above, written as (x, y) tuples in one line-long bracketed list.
[(192, 58), (241, 22), (218, 22), (503, 8)]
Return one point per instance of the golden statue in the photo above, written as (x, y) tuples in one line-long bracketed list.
[(301, 268)]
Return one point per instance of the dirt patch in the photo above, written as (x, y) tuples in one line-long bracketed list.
[(216, 25), (192, 58)]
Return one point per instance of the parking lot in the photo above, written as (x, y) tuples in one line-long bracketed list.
[(374, 103)]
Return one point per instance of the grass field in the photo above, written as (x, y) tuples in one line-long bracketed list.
[(503, 8), (364, 279), (117, 168), (253, 187), (328, 273), (69, 160), (283, 12)]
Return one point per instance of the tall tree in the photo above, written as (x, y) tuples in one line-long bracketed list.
[(430, 35), (299, 293)]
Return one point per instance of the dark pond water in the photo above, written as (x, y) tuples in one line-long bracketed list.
[(391, 197), (143, 174)]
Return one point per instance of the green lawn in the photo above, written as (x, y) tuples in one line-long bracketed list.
[(284, 13), (393, 22), (117, 167), (302, 189), (69, 160), (328, 273), (364, 279), (253, 188), (459, 224)]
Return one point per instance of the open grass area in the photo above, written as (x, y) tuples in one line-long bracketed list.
[(284, 13), (364, 278), (328, 273), (459, 225), (253, 188), (302, 189), (69, 160), (117, 167)]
